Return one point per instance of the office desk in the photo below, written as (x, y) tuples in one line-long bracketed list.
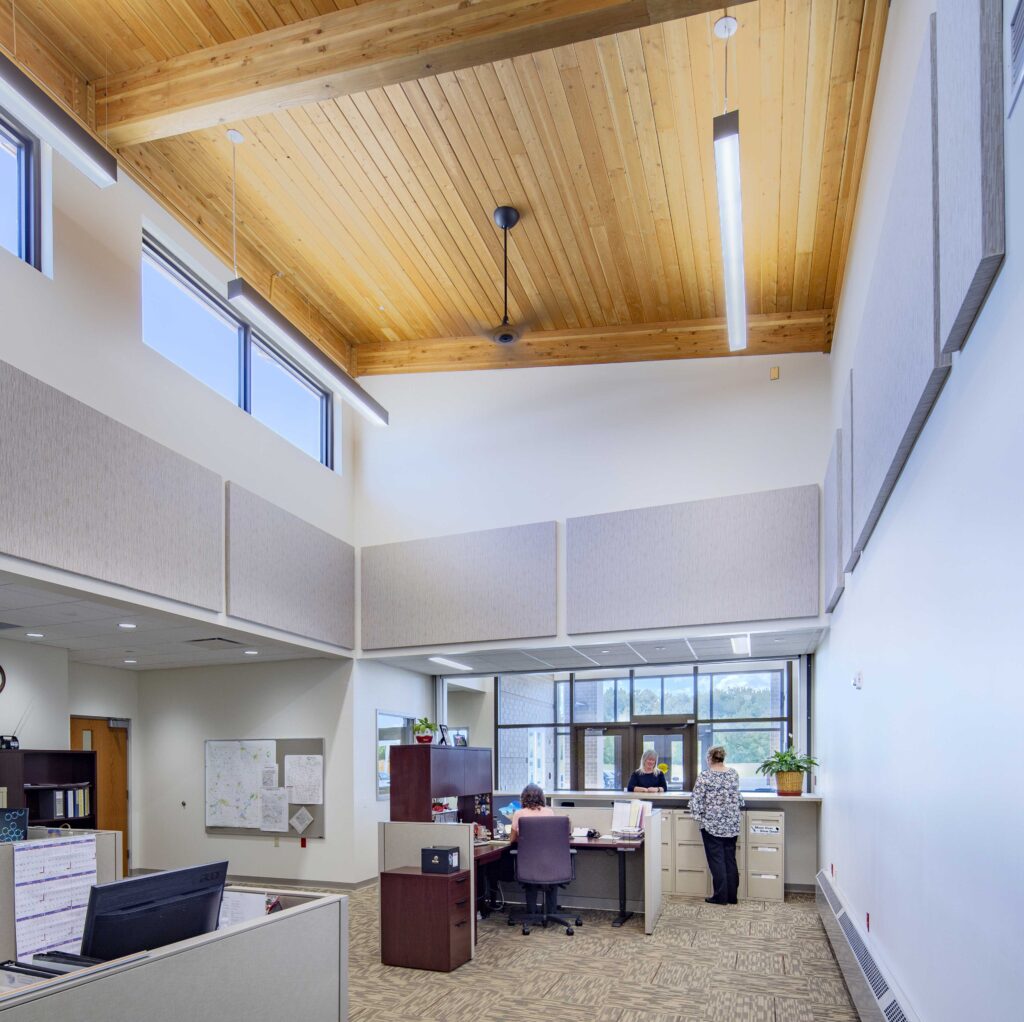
[(622, 847), (484, 858)]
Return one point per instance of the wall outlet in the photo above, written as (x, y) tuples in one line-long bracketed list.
[(858, 680), (773, 373)]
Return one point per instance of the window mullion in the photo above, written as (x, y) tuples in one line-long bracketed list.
[(245, 367)]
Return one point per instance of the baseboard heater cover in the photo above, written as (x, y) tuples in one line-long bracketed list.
[(872, 991)]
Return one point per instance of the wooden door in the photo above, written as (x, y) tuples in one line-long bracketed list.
[(111, 747)]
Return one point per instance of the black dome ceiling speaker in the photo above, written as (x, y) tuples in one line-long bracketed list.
[(506, 217)]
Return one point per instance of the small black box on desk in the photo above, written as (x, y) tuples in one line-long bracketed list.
[(439, 859)]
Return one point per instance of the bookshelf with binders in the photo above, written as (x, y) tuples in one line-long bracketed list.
[(57, 786)]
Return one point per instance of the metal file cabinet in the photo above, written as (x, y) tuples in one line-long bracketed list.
[(765, 855), (684, 866)]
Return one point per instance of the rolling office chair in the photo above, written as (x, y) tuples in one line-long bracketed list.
[(544, 859)]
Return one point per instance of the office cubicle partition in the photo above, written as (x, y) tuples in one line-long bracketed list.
[(291, 964)]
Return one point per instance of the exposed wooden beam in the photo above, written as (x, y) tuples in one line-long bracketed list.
[(374, 44), (769, 334), (35, 53)]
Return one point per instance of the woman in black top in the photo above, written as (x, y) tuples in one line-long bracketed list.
[(647, 777)]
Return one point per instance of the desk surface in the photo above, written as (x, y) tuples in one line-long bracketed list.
[(493, 849), (752, 798)]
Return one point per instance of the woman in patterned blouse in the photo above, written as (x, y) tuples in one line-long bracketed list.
[(715, 805)]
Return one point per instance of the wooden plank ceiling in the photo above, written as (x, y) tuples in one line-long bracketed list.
[(367, 218)]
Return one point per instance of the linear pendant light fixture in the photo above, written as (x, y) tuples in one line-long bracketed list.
[(261, 313), (730, 205), (43, 117)]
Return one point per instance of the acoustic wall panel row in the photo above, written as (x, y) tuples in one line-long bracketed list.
[(475, 587), (747, 558), (898, 369), (835, 578), (86, 494), (970, 160), (288, 574)]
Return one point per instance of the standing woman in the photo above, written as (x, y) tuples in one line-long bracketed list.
[(647, 777), (715, 804)]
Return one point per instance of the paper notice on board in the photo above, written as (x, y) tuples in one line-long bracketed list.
[(274, 810), (301, 820), (234, 779), (270, 776), (304, 778)]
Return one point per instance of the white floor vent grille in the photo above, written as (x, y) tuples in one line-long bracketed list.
[(872, 992)]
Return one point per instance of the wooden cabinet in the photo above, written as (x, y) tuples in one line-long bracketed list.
[(421, 773), (40, 780), (426, 919)]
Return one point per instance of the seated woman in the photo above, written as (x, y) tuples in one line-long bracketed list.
[(647, 777), (532, 801)]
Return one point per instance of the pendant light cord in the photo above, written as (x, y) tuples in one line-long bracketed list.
[(725, 87), (234, 209)]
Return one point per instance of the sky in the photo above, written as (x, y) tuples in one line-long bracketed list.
[(205, 343)]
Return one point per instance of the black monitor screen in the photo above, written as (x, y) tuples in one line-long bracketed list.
[(150, 911)]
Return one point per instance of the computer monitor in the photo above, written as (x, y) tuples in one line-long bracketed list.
[(150, 911)]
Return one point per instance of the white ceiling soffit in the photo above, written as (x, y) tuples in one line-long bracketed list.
[(694, 649), (89, 627)]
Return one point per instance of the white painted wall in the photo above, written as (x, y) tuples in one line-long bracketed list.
[(95, 691), (378, 687), (478, 450), (36, 695), (337, 701), (473, 708), (81, 332), (920, 768)]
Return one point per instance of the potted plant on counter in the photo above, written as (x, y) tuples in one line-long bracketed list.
[(788, 769), (423, 730)]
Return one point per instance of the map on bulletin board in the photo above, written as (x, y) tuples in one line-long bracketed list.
[(236, 774)]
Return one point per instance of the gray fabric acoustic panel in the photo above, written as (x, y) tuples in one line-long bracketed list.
[(747, 558), (86, 494), (832, 529), (849, 554), (972, 229), (473, 587), (288, 574), (897, 367)]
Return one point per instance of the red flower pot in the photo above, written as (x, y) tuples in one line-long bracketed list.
[(424, 739)]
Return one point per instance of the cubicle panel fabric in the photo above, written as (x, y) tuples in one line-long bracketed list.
[(287, 965), (832, 527), (849, 553), (288, 574), (898, 369), (747, 558), (474, 587), (970, 160), (81, 492)]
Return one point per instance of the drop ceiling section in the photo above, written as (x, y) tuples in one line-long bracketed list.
[(89, 628), (668, 651)]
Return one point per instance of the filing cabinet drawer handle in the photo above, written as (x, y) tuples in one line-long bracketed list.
[(463, 923), (462, 880), (463, 902)]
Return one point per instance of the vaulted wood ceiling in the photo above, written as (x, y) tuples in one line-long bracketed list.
[(367, 217)]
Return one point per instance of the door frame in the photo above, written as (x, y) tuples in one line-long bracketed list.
[(632, 733), (128, 832)]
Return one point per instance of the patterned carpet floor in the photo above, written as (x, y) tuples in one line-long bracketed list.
[(753, 962)]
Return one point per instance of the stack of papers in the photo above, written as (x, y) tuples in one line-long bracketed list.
[(628, 817)]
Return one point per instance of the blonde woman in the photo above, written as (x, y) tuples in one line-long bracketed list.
[(647, 777), (715, 804)]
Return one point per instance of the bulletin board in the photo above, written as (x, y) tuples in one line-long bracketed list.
[(256, 786)]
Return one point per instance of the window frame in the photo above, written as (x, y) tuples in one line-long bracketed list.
[(248, 336), (30, 201), (574, 727)]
